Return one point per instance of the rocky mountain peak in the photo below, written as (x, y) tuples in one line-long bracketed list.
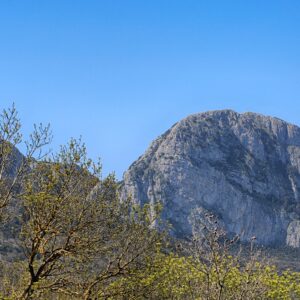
[(244, 168)]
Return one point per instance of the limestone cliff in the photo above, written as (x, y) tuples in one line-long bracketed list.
[(245, 168)]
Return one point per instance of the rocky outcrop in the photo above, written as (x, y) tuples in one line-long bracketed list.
[(12, 162), (293, 234), (9, 248), (245, 168)]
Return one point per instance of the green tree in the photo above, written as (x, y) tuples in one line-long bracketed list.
[(209, 269), (13, 165), (77, 236)]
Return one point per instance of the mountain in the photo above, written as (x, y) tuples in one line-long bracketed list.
[(8, 245), (243, 168)]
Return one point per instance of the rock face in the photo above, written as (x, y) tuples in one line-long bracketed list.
[(13, 162), (9, 248), (244, 168)]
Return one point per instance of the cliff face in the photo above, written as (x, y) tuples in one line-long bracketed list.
[(244, 168)]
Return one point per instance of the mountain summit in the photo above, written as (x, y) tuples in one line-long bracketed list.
[(244, 168)]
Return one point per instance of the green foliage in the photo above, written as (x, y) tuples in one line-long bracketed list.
[(209, 272), (176, 277)]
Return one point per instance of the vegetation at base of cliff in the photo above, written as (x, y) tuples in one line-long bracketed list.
[(80, 241), (176, 277)]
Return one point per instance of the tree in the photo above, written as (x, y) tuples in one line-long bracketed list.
[(13, 165), (77, 236), (211, 267)]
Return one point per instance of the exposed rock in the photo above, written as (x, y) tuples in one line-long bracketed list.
[(293, 234), (245, 168), (12, 162), (9, 229)]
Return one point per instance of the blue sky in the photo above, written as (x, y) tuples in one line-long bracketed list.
[(120, 73)]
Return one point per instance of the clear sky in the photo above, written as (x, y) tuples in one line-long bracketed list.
[(121, 72)]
